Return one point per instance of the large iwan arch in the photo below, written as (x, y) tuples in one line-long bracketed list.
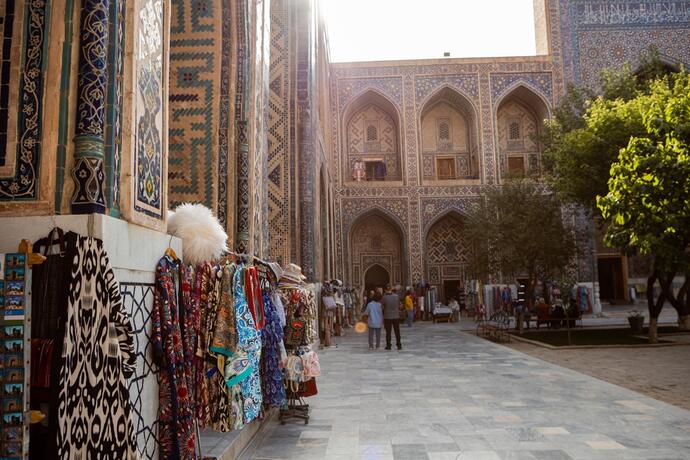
[(519, 123), (449, 137), (371, 147), (376, 239)]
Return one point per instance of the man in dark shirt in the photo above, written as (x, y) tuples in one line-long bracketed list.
[(391, 317)]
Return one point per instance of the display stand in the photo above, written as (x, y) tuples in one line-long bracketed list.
[(296, 405), (15, 333)]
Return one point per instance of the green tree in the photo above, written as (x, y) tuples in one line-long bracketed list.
[(518, 230), (648, 202), (588, 129)]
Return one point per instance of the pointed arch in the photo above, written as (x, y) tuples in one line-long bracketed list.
[(372, 138), (519, 119), (376, 237), (445, 252), (449, 136)]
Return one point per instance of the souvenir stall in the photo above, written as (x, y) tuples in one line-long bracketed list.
[(63, 323), (220, 325)]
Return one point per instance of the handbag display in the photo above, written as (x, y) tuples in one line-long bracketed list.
[(310, 363), (294, 332)]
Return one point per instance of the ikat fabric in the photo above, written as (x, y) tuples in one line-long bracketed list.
[(272, 374), (94, 413)]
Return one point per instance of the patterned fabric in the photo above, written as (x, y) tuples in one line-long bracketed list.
[(97, 359), (175, 411), (204, 290), (248, 341), (271, 374), (224, 340), (189, 329), (301, 303)]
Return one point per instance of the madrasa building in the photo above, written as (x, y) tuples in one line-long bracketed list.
[(113, 112)]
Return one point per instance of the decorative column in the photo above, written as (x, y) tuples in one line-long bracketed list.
[(88, 173), (242, 237)]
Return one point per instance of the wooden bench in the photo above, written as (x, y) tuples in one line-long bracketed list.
[(544, 317), (496, 327)]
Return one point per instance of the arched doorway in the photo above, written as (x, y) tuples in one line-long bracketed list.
[(376, 240), (376, 276), (446, 255)]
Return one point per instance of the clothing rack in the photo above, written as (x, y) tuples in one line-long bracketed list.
[(297, 407)]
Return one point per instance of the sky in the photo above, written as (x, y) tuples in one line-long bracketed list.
[(377, 30)]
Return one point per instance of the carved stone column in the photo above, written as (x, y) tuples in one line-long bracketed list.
[(88, 173)]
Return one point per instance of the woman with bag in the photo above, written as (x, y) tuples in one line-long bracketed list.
[(374, 314)]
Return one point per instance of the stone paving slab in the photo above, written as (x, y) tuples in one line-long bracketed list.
[(451, 395)]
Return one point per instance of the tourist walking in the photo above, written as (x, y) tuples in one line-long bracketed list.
[(409, 308), (374, 313), (391, 317)]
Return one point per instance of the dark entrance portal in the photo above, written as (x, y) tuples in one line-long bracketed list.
[(376, 276), (450, 289), (611, 284)]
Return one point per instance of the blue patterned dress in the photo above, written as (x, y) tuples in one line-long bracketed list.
[(271, 337), (248, 341)]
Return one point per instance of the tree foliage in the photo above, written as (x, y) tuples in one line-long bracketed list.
[(589, 128), (518, 230), (648, 203)]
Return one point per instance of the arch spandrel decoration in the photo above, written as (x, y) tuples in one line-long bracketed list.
[(520, 112), (449, 137), (372, 141)]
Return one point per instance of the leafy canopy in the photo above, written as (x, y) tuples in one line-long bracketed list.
[(648, 204)]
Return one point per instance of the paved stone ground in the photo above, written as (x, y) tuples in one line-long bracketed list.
[(662, 373), (450, 395)]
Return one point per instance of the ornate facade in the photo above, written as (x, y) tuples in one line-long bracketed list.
[(458, 125)]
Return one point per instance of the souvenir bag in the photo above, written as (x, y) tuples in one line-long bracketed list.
[(294, 371), (310, 363), (294, 332), (309, 388)]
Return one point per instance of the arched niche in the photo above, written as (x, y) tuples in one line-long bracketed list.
[(376, 239), (376, 276), (372, 147), (519, 120), (449, 137), (446, 254)]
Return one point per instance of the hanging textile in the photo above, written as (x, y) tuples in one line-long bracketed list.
[(249, 342), (271, 338), (254, 297), (204, 294), (97, 359), (175, 411)]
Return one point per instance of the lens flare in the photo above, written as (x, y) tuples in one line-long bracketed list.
[(360, 327)]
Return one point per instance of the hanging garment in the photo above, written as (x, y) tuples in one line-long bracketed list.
[(272, 375), (254, 297), (97, 359), (204, 294), (175, 410), (248, 341)]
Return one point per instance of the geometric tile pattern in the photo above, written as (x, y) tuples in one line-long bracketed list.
[(148, 159), (599, 34), (195, 48), (279, 144), (22, 184), (7, 25), (224, 112), (540, 82), (445, 244), (137, 299)]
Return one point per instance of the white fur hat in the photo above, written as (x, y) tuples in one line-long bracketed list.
[(203, 238)]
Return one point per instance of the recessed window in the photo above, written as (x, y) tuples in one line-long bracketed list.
[(372, 133), (445, 168), (514, 131), (444, 131)]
